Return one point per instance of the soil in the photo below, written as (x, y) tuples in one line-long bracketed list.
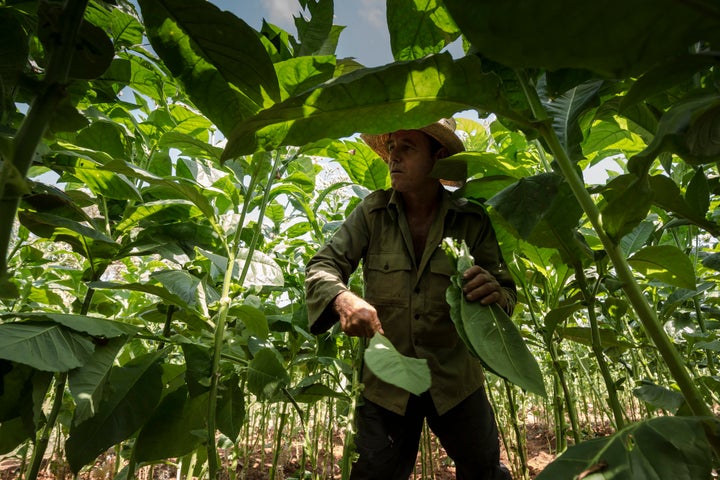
[(259, 463)]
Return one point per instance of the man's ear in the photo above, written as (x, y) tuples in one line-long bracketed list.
[(441, 153)]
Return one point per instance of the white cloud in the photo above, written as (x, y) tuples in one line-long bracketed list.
[(374, 12), (281, 12)]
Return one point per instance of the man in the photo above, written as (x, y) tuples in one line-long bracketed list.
[(396, 233)]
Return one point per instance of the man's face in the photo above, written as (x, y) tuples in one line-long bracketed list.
[(410, 161)]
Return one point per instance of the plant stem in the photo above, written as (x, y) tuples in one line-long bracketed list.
[(647, 316), (233, 252), (519, 436), (558, 377), (44, 438), (350, 428), (597, 348), (34, 124), (278, 441), (703, 328)]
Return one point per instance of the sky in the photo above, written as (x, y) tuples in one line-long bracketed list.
[(365, 37)]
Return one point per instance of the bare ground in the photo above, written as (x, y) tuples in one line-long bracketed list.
[(257, 464)]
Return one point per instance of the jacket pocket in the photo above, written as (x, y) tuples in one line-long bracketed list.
[(387, 279)]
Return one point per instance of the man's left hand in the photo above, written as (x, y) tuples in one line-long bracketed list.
[(481, 285)]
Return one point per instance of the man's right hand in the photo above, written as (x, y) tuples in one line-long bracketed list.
[(357, 317)]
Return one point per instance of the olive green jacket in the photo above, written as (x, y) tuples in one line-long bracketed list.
[(408, 292)]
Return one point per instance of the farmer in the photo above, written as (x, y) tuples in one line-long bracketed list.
[(396, 233)]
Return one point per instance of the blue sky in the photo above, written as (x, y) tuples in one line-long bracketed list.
[(365, 37)]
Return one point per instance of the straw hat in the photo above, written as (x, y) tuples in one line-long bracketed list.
[(443, 131)]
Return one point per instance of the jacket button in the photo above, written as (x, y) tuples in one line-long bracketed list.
[(386, 266), (417, 316)]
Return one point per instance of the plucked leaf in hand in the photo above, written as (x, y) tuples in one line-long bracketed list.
[(489, 333), (390, 366)]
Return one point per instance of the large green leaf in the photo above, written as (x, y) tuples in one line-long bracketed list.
[(478, 164), (198, 370), (302, 73), (525, 203), (192, 290), (697, 193), (360, 162), (315, 34), (666, 194), (558, 315), (231, 407), (87, 383), (94, 326), (629, 199), (267, 377), (190, 145), (122, 25), (375, 100), (665, 263), (566, 111), (13, 432), (131, 395), (659, 448), (419, 28), (674, 71), (13, 52), (659, 397), (176, 428), (106, 137), (254, 320), (218, 57), (45, 346), (87, 241), (543, 210), (156, 290), (583, 335), (160, 212), (638, 238), (263, 269), (488, 332), (614, 38), (171, 186), (390, 366), (688, 129)]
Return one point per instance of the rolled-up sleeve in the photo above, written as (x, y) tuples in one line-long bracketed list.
[(328, 271)]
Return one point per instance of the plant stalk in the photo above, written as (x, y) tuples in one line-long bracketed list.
[(233, 251), (632, 290), (597, 348), (520, 437), (14, 170), (44, 438)]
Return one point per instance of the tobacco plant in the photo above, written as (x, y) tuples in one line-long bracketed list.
[(157, 205)]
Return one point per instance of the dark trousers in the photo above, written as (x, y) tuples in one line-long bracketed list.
[(387, 443)]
